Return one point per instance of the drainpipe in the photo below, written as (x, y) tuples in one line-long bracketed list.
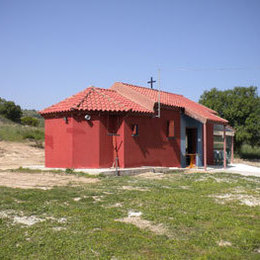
[(225, 148), (205, 145)]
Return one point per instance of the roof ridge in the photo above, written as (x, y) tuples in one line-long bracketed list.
[(111, 99), (146, 103), (106, 89), (151, 89), (129, 99), (97, 90), (91, 89)]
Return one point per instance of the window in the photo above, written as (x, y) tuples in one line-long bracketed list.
[(134, 130), (170, 128)]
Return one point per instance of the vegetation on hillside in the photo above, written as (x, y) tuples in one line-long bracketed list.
[(18, 133), (28, 120), (19, 125), (32, 113)]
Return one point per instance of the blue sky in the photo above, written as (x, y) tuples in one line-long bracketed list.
[(51, 49)]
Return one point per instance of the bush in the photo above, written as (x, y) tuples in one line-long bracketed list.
[(33, 134), (249, 152), (33, 113), (28, 120), (69, 171)]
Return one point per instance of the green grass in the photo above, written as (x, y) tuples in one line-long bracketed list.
[(67, 171), (18, 133), (182, 203)]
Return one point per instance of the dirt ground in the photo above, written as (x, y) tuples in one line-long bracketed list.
[(43, 181), (255, 162), (13, 155)]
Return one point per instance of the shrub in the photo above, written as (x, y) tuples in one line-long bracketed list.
[(28, 120), (249, 152), (33, 134), (69, 171)]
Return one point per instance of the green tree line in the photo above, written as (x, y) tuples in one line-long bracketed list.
[(10, 110), (241, 107), (13, 112)]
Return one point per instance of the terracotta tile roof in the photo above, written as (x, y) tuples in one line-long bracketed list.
[(144, 96), (122, 97), (96, 99)]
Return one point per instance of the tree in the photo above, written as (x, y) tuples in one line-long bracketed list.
[(241, 107), (9, 110)]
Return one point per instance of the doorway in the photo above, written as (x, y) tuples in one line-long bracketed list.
[(191, 145)]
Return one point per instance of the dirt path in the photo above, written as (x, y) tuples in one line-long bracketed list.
[(43, 181), (14, 155), (255, 162)]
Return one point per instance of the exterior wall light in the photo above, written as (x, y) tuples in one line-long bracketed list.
[(87, 117)]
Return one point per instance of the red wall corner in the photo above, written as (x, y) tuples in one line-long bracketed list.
[(58, 143)]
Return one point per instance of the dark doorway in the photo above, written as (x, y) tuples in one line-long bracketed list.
[(191, 143)]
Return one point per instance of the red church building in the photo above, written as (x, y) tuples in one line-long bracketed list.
[(128, 126)]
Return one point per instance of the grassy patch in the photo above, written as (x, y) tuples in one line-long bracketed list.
[(79, 222), (19, 133)]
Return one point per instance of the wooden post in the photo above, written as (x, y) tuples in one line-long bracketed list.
[(232, 149), (205, 145), (225, 148)]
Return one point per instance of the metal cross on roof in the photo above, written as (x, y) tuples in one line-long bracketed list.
[(151, 82)]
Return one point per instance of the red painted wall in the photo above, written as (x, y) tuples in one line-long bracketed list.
[(87, 144), (58, 143), (86, 141), (152, 147), (72, 145), (210, 144)]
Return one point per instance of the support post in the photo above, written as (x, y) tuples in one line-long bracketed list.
[(232, 149), (205, 145), (225, 148)]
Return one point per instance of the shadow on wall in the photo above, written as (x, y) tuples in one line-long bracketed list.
[(152, 146)]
